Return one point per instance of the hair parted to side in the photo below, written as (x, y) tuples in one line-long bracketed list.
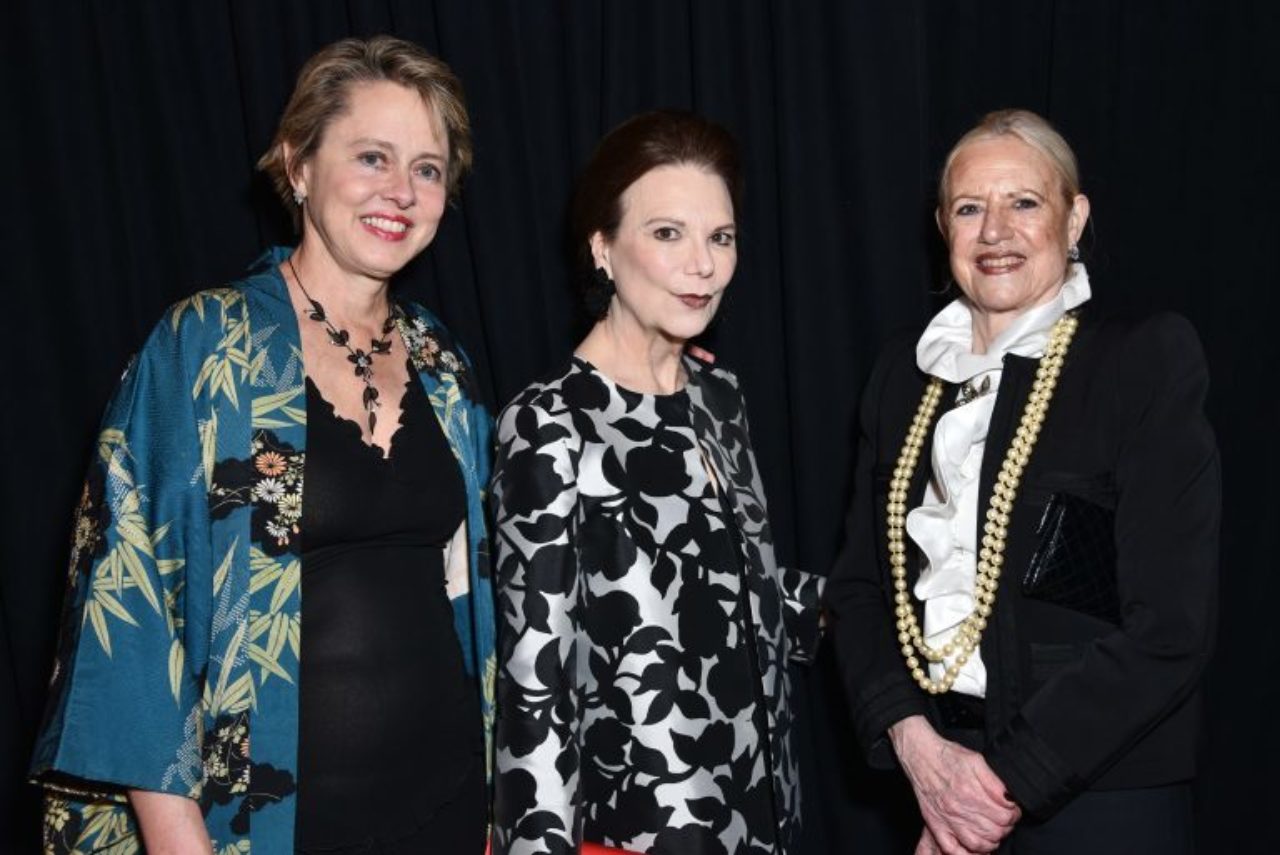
[(322, 91), (1030, 128), (633, 148)]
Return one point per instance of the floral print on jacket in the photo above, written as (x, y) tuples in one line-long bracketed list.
[(645, 625), (177, 666)]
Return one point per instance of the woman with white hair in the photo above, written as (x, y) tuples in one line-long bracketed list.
[(1026, 599)]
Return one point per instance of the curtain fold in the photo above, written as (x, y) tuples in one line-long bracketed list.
[(128, 159)]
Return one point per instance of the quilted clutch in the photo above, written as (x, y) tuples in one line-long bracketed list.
[(1074, 565)]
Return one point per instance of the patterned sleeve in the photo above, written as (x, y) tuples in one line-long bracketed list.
[(124, 701), (535, 500), (801, 597), (801, 591)]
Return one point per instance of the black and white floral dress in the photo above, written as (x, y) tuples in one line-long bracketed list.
[(645, 626)]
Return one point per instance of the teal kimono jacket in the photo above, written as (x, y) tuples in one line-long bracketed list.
[(178, 662)]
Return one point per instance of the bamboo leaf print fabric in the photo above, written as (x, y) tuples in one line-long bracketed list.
[(178, 660)]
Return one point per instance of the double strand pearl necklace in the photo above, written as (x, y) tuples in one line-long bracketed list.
[(969, 633)]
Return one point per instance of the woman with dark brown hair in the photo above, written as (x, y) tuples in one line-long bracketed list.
[(193, 709), (646, 626)]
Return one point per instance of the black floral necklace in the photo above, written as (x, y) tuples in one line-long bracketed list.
[(362, 361)]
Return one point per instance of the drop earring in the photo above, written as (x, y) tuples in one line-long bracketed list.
[(600, 293)]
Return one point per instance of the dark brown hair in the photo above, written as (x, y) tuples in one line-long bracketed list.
[(629, 151), (321, 95)]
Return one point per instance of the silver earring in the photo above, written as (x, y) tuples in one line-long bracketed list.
[(1073, 254), (299, 197)]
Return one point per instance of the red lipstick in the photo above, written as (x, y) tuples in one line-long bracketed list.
[(389, 227)]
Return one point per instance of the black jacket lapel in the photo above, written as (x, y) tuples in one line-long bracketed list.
[(1001, 636)]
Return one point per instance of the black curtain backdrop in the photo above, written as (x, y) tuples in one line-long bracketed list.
[(131, 130)]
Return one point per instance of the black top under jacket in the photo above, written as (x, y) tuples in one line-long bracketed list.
[(387, 718)]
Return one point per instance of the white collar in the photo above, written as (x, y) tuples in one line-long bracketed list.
[(944, 349)]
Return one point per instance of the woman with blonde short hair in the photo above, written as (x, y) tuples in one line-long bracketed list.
[(193, 708)]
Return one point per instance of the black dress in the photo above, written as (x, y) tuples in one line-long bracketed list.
[(390, 749)]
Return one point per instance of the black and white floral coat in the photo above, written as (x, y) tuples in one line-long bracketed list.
[(633, 687)]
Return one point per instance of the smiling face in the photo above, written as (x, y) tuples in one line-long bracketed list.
[(674, 252), (1008, 227), (375, 188)]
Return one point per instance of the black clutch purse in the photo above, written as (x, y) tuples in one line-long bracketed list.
[(1074, 565)]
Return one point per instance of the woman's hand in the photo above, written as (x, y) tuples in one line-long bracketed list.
[(963, 802), (929, 846), (170, 825)]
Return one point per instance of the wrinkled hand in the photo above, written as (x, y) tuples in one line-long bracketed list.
[(929, 846), (963, 802)]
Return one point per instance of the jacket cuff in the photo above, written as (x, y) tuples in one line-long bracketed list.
[(878, 707), (1033, 773), (802, 596)]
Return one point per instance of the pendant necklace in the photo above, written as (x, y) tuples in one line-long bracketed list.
[(362, 361)]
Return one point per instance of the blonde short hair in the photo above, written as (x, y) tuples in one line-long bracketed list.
[(321, 95), (1030, 128)]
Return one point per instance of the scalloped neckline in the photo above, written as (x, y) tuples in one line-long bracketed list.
[(352, 428)]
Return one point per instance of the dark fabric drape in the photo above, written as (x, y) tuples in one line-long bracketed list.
[(132, 129)]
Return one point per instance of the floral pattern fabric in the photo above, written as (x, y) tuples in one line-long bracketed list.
[(177, 665), (646, 627)]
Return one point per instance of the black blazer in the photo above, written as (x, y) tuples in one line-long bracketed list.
[(1074, 701)]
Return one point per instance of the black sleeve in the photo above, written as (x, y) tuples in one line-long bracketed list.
[(1167, 516), (880, 690)]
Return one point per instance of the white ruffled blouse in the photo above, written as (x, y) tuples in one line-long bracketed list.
[(945, 526)]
